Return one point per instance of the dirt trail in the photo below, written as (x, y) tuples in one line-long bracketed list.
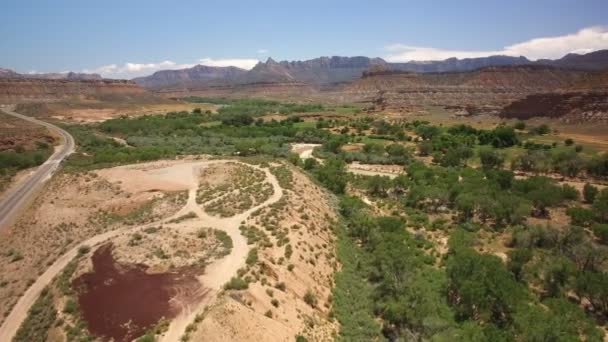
[(216, 274), (220, 272)]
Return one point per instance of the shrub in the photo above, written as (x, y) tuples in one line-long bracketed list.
[(490, 158), (310, 298), (310, 163), (148, 337), (288, 251), (580, 216), (540, 130), (84, 249), (281, 286), (589, 193), (601, 232), (40, 318), (569, 192), (252, 257), (70, 307), (236, 283), (600, 206), (239, 119)]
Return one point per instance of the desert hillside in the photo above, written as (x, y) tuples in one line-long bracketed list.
[(23, 90)]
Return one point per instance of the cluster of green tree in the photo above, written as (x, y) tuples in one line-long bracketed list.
[(390, 286), (161, 136), (566, 161), (491, 300), (500, 137), (371, 153), (155, 124), (452, 147), (388, 275), (562, 263), (595, 217), (484, 196), (19, 158), (256, 107)]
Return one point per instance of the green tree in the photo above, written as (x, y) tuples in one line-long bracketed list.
[(518, 258), (379, 185), (425, 148), (580, 216), (481, 288), (555, 320), (594, 287), (333, 175), (310, 163), (334, 143), (589, 193), (427, 132), (601, 232), (396, 150), (490, 158), (600, 206)]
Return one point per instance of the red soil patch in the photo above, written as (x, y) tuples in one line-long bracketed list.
[(121, 302)]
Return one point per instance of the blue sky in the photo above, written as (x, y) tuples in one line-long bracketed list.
[(103, 36)]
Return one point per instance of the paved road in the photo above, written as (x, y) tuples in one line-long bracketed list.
[(18, 197)]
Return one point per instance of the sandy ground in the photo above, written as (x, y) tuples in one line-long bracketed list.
[(85, 114), (390, 171), (304, 150)]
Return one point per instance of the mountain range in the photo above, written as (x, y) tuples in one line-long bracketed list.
[(332, 70), (7, 73)]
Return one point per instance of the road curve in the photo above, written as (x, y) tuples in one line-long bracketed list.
[(16, 199)]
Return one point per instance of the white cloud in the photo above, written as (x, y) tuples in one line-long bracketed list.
[(584, 41), (131, 70), (240, 63), (262, 51)]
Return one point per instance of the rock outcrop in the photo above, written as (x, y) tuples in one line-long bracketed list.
[(569, 107)]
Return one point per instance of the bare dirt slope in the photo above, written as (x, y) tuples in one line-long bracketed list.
[(290, 272)]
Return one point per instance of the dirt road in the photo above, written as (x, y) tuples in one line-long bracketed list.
[(216, 274), (12, 204)]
